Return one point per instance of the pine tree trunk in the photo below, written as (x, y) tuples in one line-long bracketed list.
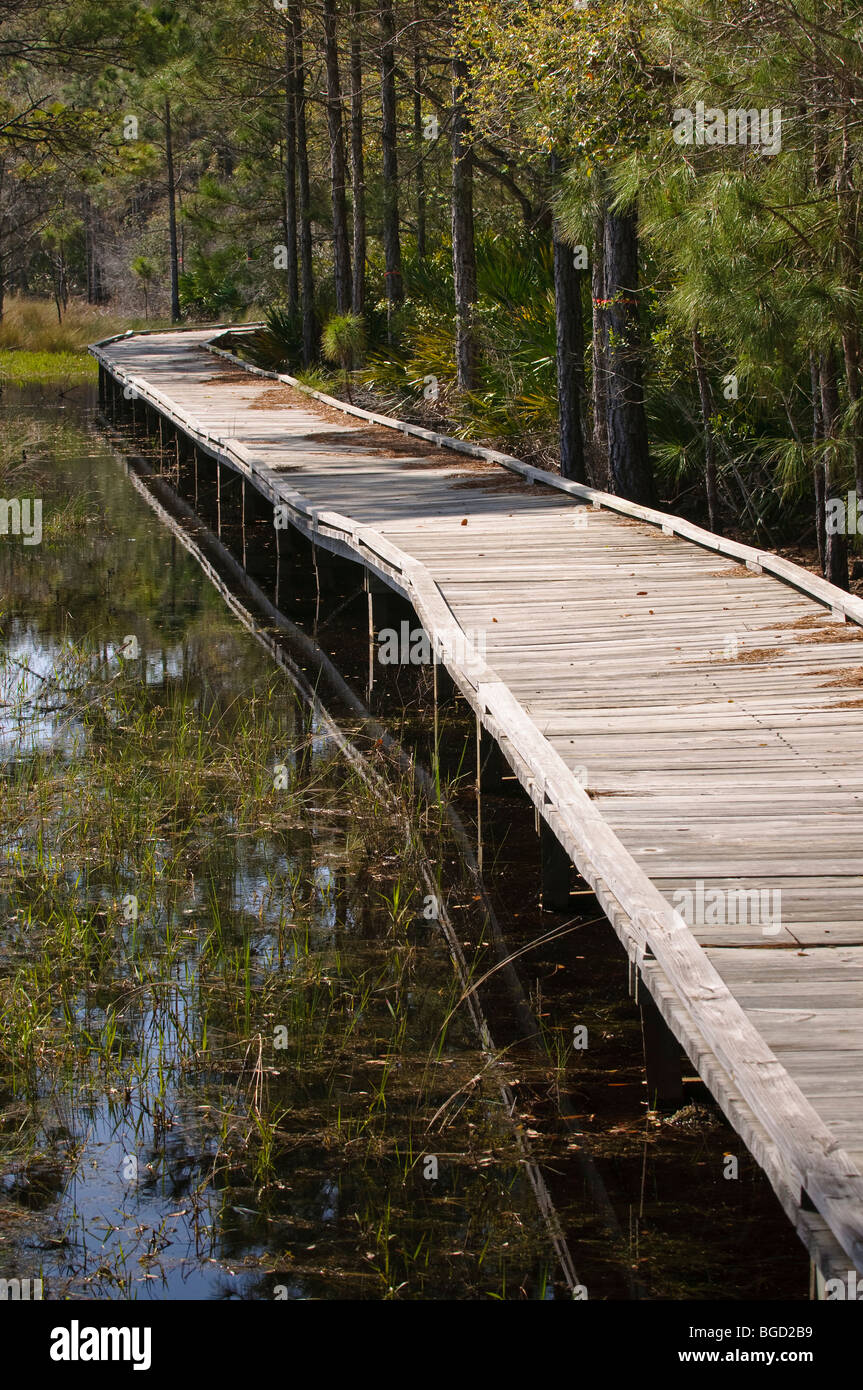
[(389, 137), (307, 278), (599, 348), (418, 141), (463, 244), (172, 216), (99, 292), (4, 231), (818, 464), (851, 353), (358, 178), (570, 360), (836, 566), (849, 242), (88, 246), (706, 396), (291, 173), (95, 283), (3, 227), (628, 456), (825, 404), (338, 170)]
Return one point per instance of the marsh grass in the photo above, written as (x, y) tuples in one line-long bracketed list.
[(264, 1020), (276, 1035), (32, 325), (37, 349), (21, 436)]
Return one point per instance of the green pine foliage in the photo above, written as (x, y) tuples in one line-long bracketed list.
[(753, 252)]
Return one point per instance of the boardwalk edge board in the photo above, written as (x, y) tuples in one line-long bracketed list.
[(702, 1010)]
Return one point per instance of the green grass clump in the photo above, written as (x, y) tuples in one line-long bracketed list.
[(63, 369), (343, 342), (316, 379)]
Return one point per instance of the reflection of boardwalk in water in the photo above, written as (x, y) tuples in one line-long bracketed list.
[(309, 651), (688, 729)]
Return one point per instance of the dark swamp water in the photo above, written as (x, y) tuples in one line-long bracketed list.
[(249, 1049)]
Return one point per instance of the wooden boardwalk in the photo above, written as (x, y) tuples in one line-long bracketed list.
[(688, 723)]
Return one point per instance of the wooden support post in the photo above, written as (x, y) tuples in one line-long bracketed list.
[(818, 1283), (196, 476), (556, 871), (436, 746), (479, 733), (218, 499), (385, 608), (385, 603), (372, 653), (497, 776), (243, 516), (325, 573), (661, 1055)]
